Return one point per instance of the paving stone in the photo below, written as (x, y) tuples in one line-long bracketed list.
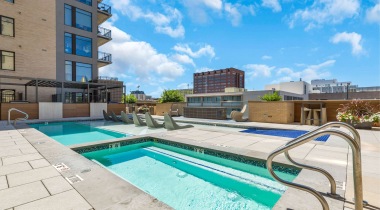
[(14, 168), (9, 143), (5, 148), (28, 150), (57, 185), (66, 200), (8, 153), (3, 182), (15, 196), (31, 176), (39, 163), (21, 158)]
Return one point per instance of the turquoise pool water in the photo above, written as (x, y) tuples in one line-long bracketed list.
[(186, 179), (69, 133)]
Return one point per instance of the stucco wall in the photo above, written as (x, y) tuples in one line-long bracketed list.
[(162, 108), (271, 112)]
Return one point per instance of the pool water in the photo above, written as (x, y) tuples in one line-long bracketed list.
[(185, 179), (282, 133), (70, 133)]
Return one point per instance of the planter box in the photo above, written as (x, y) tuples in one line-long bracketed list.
[(364, 125)]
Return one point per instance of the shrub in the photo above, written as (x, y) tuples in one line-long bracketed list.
[(129, 99), (171, 96), (271, 97), (357, 111)]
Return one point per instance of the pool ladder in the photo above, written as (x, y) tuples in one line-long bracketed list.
[(325, 129), (17, 119)]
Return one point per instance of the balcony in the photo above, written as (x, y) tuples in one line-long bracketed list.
[(104, 36), (104, 59), (104, 12)]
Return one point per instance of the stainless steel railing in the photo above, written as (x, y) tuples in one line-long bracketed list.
[(17, 119), (354, 143)]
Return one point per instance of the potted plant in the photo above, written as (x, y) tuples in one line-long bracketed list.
[(143, 109), (358, 113)]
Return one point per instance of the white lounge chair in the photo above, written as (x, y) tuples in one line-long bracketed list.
[(238, 116), (170, 124), (125, 118), (137, 121), (152, 123), (174, 110)]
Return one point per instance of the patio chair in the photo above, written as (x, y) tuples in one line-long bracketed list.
[(106, 116), (170, 124), (174, 110), (125, 118), (152, 123), (114, 117), (136, 120), (238, 116)]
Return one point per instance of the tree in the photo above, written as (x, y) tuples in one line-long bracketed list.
[(171, 96), (129, 99), (271, 97)]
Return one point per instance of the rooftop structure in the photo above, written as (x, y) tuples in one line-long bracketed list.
[(296, 87), (329, 86)]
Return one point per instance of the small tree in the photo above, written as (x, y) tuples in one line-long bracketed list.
[(171, 96), (271, 97), (129, 99)]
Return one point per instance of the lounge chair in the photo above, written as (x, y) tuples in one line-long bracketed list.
[(114, 117), (125, 118), (152, 123), (174, 110), (238, 116), (136, 120), (170, 124), (106, 116)]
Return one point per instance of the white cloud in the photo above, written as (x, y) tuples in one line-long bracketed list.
[(272, 4), (352, 38), (233, 13), (157, 93), (206, 50), (255, 70), (203, 69), (326, 12), (373, 14), (139, 58), (266, 57), (183, 86), (183, 59), (168, 21)]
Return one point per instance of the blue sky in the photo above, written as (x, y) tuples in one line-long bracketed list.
[(159, 44)]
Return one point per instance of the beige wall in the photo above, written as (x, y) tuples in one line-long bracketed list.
[(34, 43), (271, 112), (162, 108)]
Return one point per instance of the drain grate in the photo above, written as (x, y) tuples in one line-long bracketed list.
[(74, 179), (61, 167)]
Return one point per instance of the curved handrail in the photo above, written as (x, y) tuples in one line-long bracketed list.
[(356, 166), (353, 131), (14, 109)]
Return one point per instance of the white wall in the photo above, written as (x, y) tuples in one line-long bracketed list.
[(96, 109), (50, 110)]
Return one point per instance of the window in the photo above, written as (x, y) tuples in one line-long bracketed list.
[(69, 71), (7, 60), (83, 72), (68, 43), (7, 96), (88, 2), (78, 18), (83, 20), (7, 26), (78, 45), (10, 1)]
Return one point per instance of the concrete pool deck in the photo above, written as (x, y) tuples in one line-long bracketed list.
[(28, 180)]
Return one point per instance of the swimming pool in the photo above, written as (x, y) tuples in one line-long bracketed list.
[(186, 179), (69, 133), (282, 133)]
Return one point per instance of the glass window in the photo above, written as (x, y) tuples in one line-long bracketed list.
[(83, 46), (7, 96), (69, 71), (88, 2), (83, 72), (68, 43), (68, 15), (7, 60), (83, 20), (10, 1), (7, 26)]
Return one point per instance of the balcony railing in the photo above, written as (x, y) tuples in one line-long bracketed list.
[(104, 8), (216, 104), (107, 78), (105, 57), (104, 32)]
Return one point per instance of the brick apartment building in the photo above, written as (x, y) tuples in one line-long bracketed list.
[(216, 81)]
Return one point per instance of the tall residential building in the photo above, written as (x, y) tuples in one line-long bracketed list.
[(52, 46), (216, 81)]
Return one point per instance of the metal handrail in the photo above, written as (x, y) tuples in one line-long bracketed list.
[(357, 172), (106, 57), (14, 109), (353, 131)]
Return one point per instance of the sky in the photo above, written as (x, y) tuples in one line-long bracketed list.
[(160, 44)]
